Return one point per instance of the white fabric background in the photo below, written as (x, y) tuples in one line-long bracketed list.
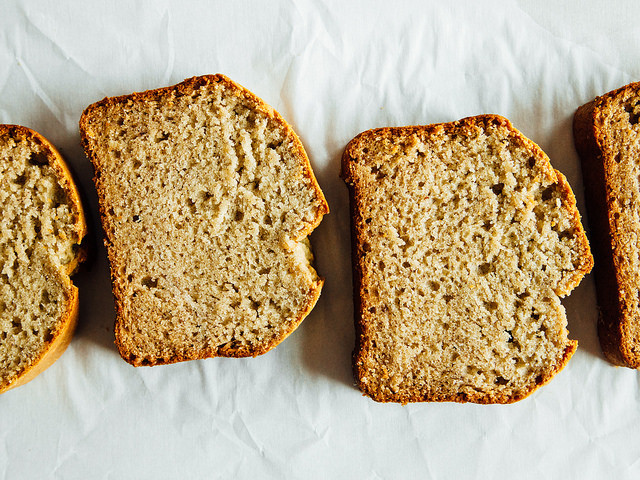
[(333, 69)]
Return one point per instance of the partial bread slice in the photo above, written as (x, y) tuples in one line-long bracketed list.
[(464, 238), (40, 234), (207, 197), (607, 137)]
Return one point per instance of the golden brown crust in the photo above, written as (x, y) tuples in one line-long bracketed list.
[(230, 350), (68, 321), (358, 208), (61, 339), (597, 168), (185, 87), (486, 399)]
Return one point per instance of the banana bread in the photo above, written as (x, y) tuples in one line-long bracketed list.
[(607, 137), (40, 246), (464, 238), (206, 197)]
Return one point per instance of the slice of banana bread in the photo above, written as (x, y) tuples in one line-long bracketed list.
[(40, 234), (607, 137), (207, 197), (464, 238)]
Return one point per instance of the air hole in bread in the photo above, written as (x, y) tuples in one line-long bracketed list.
[(204, 196), (59, 197), (547, 194), (491, 306), (376, 170), (39, 159), (566, 234), (633, 109), (21, 179), (484, 268), (45, 298), (162, 137), (497, 188), (149, 282)]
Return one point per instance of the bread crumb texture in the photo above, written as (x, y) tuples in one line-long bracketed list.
[(607, 136), (465, 237), (207, 197), (40, 233)]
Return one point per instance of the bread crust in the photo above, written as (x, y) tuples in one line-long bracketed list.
[(606, 235), (67, 323), (362, 351), (186, 86), (61, 339)]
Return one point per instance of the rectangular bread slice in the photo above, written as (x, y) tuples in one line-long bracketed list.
[(464, 240), (607, 137), (207, 198)]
